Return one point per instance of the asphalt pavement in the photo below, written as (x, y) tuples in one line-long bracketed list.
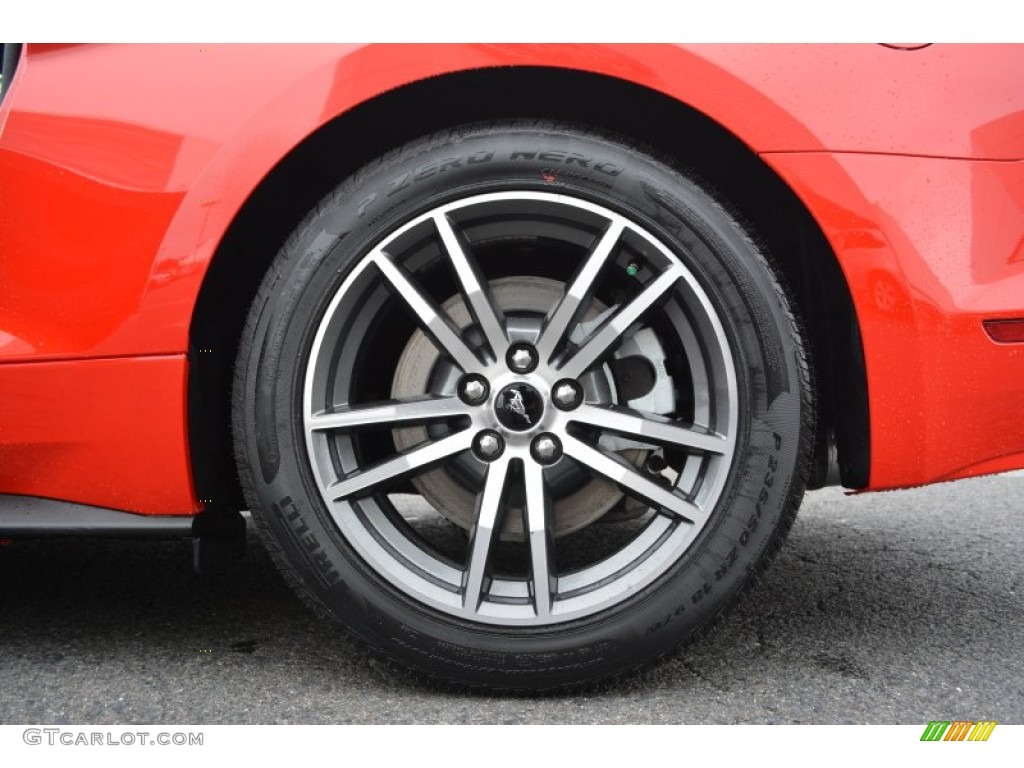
[(899, 607)]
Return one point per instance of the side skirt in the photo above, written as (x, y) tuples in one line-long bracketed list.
[(30, 516)]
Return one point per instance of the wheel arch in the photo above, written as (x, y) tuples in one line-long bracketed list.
[(782, 223)]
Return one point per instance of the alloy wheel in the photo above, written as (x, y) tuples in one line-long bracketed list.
[(521, 409)]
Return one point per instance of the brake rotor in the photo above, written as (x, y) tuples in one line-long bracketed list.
[(524, 300)]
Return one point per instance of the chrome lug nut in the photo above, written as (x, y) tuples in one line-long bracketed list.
[(521, 358), (488, 445), (546, 449), (473, 389), (567, 394)]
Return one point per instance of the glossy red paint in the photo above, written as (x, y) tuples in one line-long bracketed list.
[(109, 433), (931, 248), (142, 155), (121, 168)]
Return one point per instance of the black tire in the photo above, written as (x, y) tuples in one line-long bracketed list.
[(286, 472)]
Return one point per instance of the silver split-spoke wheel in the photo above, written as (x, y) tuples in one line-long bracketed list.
[(518, 406), (522, 407)]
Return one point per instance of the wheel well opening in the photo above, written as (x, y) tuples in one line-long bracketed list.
[(674, 131)]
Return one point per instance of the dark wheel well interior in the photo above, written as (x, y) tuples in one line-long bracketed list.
[(678, 133)]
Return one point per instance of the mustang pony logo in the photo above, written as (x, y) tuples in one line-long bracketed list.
[(517, 405)]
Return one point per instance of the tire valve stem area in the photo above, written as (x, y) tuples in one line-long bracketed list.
[(655, 464)]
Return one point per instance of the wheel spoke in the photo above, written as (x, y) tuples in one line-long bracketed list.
[(595, 347), (649, 427), (474, 288), (623, 474), (490, 507), (401, 466), (433, 321), (575, 298), (540, 535), (390, 412)]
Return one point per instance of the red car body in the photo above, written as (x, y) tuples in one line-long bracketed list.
[(123, 170)]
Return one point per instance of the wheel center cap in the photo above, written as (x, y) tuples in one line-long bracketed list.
[(519, 407)]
